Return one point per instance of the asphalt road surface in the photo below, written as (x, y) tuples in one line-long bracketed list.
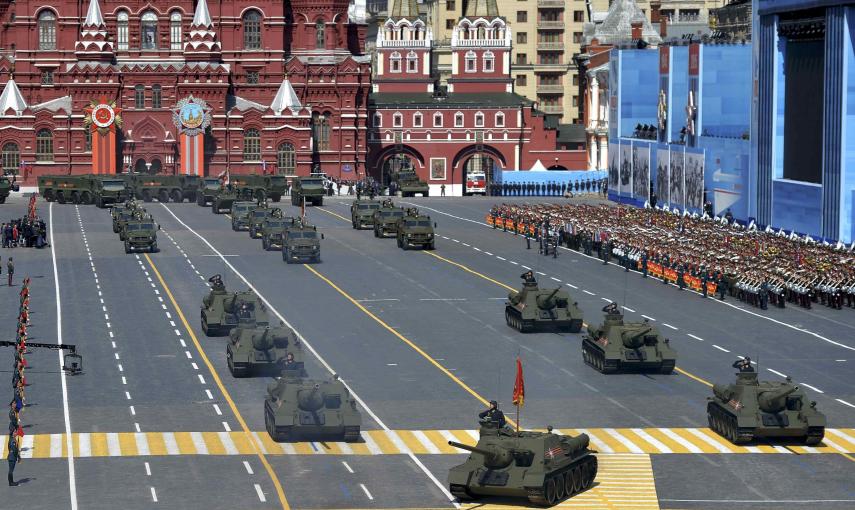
[(157, 421)]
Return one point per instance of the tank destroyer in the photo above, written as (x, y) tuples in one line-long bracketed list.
[(750, 409), (617, 345), (313, 410), (222, 311), (533, 309), (543, 467), (262, 350)]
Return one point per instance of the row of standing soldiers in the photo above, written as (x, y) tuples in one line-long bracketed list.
[(547, 189), (19, 383)]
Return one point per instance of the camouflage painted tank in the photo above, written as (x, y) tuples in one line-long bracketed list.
[(543, 467), (617, 345), (313, 410), (222, 311), (750, 409), (533, 309), (262, 350)]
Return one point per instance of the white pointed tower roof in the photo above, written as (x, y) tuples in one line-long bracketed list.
[(93, 15), (286, 97), (202, 17), (11, 98)]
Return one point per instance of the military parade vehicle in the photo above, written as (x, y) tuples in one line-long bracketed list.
[(109, 191), (533, 309), (310, 188), (617, 346), (240, 214), (386, 219), (117, 211), (410, 185), (766, 410), (272, 230), (259, 187), (262, 350), (5, 188), (222, 311), (140, 234), (301, 242), (543, 467), (164, 187), (207, 190), (415, 229), (124, 215), (312, 410), (362, 213), (84, 189), (223, 200), (257, 217)]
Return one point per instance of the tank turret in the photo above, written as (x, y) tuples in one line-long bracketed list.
[(543, 467), (633, 338), (495, 457), (263, 341), (311, 410), (774, 401), (548, 301), (751, 409), (264, 350)]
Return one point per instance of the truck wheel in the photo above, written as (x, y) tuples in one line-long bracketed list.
[(60, 197), (99, 203), (86, 198), (154, 248), (260, 195), (177, 197), (276, 197), (75, 197), (163, 196), (49, 195), (191, 197), (200, 200), (127, 247), (319, 202), (146, 195), (2, 200)]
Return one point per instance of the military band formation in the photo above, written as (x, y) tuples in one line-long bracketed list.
[(713, 256)]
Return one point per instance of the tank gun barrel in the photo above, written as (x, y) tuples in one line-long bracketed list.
[(547, 302), (473, 449), (634, 338), (773, 401)]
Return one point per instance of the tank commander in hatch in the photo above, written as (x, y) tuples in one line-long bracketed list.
[(217, 282), (244, 312), (493, 415), (744, 365), (528, 277), (611, 309)]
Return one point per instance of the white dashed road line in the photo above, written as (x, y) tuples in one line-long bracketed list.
[(814, 388), (588, 292), (845, 403), (365, 490), (258, 491), (720, 348), (669, 326), (776, 372), (695, 337), (628, 309)]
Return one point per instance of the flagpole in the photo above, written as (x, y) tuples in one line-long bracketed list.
[(518, 418)]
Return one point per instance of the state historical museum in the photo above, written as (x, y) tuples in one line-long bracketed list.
[(183, 88)]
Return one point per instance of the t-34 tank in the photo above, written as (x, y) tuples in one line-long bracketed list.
[(533, 309), (752, 409), (312, 410), (627, 346), (262, 350), (222, 311), (544, 467)]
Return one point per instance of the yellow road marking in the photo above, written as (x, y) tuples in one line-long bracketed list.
[(336, 215), (404, 339), (280, 492), (703, 440)]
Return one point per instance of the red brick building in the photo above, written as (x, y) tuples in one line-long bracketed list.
[(476, 124), (281, 86)]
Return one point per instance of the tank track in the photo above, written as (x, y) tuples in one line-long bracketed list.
[(514, 319), (351, 434), (725, 425), (667, 366), (278, 434), (460, 492), (596, 358), (565, 484), (814, 435)]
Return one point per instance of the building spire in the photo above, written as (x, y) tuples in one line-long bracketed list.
[(286, 97), (481, 9), (94, 18), (202, 17), (404, 9), (203, 45), (12, 98)]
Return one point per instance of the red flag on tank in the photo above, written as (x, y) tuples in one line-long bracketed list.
[(519, 386)]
